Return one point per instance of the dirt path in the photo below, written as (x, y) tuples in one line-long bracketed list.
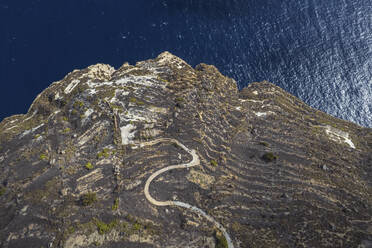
[(195, 161)]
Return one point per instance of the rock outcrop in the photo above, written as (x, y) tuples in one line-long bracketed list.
[(271, 171)]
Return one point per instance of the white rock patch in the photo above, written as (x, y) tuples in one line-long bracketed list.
[(339, 136), (33, 114), (158, 109), (259, 114), (10, 128), (57, 96), (30, 131), (92, 91), (126, 134), (118, 92), (138, 115), (87, 113), (99, 71), (71, 86), (167, 57), (90, 133), (147, 81), (251, 100)]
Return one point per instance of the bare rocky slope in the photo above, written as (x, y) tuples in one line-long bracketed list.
[(269, 169)]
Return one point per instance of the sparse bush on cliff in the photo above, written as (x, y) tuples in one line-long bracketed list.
[(116, 204), (104, 153), (105, 227), (88, 198), (180, 99), (269, 157), (137, 226), (2, 191), (263, 143), (135, 100), (221, 241), (43, 156), (89, 166), (214, 162)]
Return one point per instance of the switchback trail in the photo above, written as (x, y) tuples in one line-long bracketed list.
[(195, 161)]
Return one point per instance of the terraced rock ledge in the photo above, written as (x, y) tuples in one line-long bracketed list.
[(160, 154)]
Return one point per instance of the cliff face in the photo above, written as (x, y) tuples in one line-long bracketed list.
[(253, 168)]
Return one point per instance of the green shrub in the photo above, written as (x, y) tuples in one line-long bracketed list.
[(66, 130), (78, 104), (137, 226), (104, 153), (70, 230), (116, 204), (135, 100), (221, 241), (2, 191), (263, 143), (89, 166), (180, 99), (105, 227), (214, 162), (43, 156), (269, 157), (88, 198)]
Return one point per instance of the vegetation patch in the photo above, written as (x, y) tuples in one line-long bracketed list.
[(78, 104), (116, 204), (2, 191), (66, 130), (137, 226), (221, 241), (43, 156), (103, 227), (263, 143), (88, 198), (89, 166), (135, 100), (117, 107), (214, 163), (70, 230), (201, 179), (104, 153), (180, 99), (269, 157)]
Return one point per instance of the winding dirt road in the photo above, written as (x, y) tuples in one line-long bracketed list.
[(195, 161)]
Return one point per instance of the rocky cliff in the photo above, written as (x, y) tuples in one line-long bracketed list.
[(161, 154)]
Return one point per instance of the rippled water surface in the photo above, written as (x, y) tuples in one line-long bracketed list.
[(320, 51)]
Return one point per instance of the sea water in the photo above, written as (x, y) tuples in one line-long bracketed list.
[(318, 50)]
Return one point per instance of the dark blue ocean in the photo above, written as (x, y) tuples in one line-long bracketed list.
[(318, 50)]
